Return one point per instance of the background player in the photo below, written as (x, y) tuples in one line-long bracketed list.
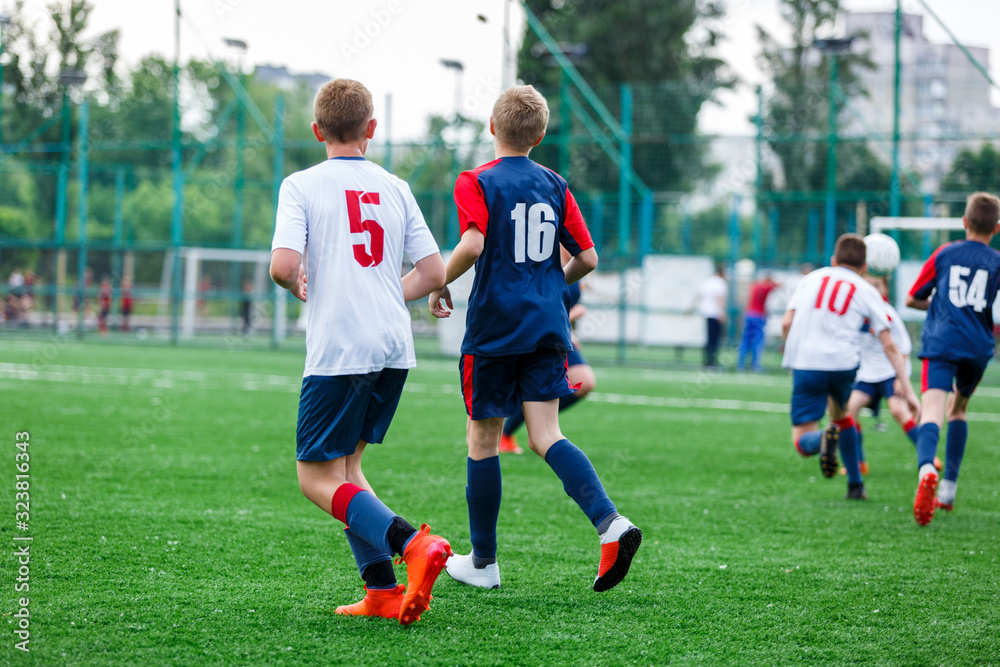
[(754, 324), (876, 376), (579, 372), (957, 344), (345, 223), (514, 214), (822, 328)]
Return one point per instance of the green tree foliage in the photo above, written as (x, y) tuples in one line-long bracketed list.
[(129, 136), (972, 171), (665, 50), (796, 121)]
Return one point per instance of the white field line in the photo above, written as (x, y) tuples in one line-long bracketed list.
[(171, 379)]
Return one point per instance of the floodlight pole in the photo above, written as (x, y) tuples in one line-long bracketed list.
[(459, 68), (4, 20), (894, 183), (831, 159), (177, 216)]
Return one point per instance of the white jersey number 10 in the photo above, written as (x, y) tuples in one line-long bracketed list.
[(536, 236)]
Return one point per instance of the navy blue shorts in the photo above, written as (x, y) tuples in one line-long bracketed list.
[(496, 386), (877, 390), (962, 376), (576, 358), (336, 411), (811, 388)]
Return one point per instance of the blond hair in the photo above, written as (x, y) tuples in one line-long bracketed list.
[(342, 110), (982, 211), (520, 117)]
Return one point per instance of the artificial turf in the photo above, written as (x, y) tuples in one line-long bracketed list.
[(168, 527)]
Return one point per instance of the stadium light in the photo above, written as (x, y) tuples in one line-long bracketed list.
[(832, 48), (459, 70), (240, 46)]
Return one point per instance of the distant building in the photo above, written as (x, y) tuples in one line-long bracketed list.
[(944, 99), (281, 77)]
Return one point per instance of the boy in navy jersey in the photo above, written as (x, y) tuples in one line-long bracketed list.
[(957, 344), (514, 214)]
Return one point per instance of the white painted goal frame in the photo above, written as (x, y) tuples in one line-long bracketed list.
[(883, 224)]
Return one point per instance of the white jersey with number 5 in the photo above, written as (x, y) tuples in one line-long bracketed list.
[(831, 305), (352, 221)]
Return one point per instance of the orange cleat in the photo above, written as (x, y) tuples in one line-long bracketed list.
[(925, 502), (508, 445), (938, 465), (862, 465), (947, 507), (425, 556), (384, 603), (618, 547)]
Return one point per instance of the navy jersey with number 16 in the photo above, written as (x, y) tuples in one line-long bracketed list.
[(964, 277), (519, 301)]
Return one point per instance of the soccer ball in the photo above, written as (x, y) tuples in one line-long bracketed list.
[(883, 254)]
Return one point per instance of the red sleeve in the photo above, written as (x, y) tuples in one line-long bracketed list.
[(924, 285), (471, 203), (575, 225)]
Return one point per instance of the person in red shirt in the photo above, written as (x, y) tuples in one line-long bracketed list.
[(104, 305), (126, 303), (754, 320)]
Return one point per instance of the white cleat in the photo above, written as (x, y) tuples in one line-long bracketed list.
[(461, 569)]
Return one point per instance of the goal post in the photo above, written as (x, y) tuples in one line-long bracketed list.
[(883, 224), (195, 293)]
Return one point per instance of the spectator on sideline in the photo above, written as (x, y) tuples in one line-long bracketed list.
[(754, 321), (711, 304)]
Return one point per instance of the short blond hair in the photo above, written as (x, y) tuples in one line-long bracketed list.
[(520, 117), (342, 110), (982, 211)]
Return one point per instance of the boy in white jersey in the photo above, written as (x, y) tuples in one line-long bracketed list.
[(822, 329), (876, 375), (344, 225)]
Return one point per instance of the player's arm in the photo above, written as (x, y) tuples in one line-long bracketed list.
[(427, 275), (574, 236), (580, 265), (288, 272), (902, 385), (463, 257), (919, 296), (786, 323)]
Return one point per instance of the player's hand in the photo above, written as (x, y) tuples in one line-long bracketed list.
[(576, 312), (299, 288), (903, 388), (434, 301)]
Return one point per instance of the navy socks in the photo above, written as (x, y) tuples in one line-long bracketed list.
[(809, 443), (580, 480), (927, 442), (958, 433), (483, 493)]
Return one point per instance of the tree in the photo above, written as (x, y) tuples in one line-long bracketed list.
[(664, 49), (971, 171), (796, 117)]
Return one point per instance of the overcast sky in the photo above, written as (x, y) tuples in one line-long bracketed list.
[(395, 46)]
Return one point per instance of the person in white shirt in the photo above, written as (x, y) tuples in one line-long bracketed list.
[(823, 328), (343, 226), (876, 376), (711, 304)]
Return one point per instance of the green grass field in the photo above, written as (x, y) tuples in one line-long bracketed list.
[(168, 528)]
